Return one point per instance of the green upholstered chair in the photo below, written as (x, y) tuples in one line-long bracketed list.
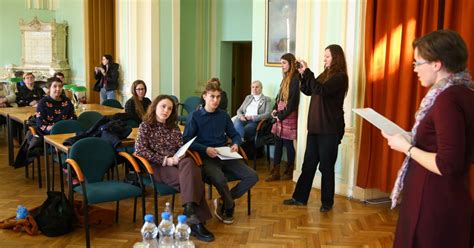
[(190, 104), (91, 158), (60, 127), (112, 103), (89, 118), (146, 173)]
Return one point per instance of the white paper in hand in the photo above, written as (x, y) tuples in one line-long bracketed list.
[(224, 153), (184, 148), (379, 121)]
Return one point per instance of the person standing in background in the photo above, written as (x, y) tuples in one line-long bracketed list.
[(107, 78), (285, 114), (325, 126)]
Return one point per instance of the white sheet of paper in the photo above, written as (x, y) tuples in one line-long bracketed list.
[(184, 148), (378, 120), (224, 153)]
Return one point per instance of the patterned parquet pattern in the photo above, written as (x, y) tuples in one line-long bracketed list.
[(350, 224)]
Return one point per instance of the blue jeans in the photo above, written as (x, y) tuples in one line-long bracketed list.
[(246, 129), (104, 94)]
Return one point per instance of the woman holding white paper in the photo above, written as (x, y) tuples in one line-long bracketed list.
[(158, 140), (436, 205)]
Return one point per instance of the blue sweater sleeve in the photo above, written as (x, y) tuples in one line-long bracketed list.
[(190, 131)]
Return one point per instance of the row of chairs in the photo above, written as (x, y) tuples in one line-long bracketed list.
[(101, 157)]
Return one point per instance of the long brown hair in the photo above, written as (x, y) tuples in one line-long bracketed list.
[(150, 116), (287, 76), (338, 63), (138, 105)]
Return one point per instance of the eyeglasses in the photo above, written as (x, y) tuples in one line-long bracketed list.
[(418, 63), (140, 89)]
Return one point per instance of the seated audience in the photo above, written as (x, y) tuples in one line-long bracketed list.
[(223, 103), (137, 106), (211, 126), (53, 107), (29, 94), (255, 108), (7, 95), (159, 138)]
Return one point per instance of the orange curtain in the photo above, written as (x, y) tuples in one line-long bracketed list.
[(100, 39), (392, 88), (457, 16)]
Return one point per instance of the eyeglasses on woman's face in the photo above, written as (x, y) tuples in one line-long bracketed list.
[(418, 63)]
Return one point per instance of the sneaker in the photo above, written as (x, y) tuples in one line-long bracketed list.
[(224, 215)]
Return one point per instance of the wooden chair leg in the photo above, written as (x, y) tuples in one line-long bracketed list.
[(134, 210), (155, 199), (210, 192), (40, 185), (248, 203), (86, 225)]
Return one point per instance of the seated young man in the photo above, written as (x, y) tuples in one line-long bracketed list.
[(212, 125)]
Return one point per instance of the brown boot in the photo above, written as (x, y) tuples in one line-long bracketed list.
[(288, 174), (275, 174)]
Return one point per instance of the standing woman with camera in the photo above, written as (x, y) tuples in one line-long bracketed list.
[(325, 126), (107, 78), (285, 115)]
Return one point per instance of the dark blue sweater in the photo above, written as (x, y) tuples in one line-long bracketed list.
[(211, 130)]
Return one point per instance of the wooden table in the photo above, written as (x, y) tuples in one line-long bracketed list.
[(56, 141), (19, 115), (22, 114)]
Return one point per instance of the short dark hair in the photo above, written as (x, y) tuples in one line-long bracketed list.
[(212, 86), (446, 46), (58, 73), (51, 80), (214, 80)]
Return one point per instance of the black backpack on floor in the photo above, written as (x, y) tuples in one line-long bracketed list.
[(56, 215)]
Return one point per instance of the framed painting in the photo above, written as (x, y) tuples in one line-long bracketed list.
[(280, 30)]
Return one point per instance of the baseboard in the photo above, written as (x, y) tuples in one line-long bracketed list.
[(344, 189)]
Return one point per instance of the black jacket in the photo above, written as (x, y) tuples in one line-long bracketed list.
[(111, 76)]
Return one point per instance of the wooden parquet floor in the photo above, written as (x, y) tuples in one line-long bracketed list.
[(272, 224)]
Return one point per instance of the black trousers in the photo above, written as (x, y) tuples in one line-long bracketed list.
[(320, 149)]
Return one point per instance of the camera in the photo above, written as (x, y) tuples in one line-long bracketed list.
[(298, 65)]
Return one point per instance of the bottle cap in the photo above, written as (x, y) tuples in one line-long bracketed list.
[(182, 218), (165, 215), (149, 218)]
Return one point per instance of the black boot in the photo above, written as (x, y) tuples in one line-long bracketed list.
[(200, 232)]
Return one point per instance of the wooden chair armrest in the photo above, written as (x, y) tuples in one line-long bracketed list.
[(260, 124), (195, 156), (33, 130), (144, 161), (243, 154), (132, 161), (77, 169)]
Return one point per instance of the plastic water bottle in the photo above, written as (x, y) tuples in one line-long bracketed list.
[(181, 235), (168, 209), (166, 230), (149, 232)]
